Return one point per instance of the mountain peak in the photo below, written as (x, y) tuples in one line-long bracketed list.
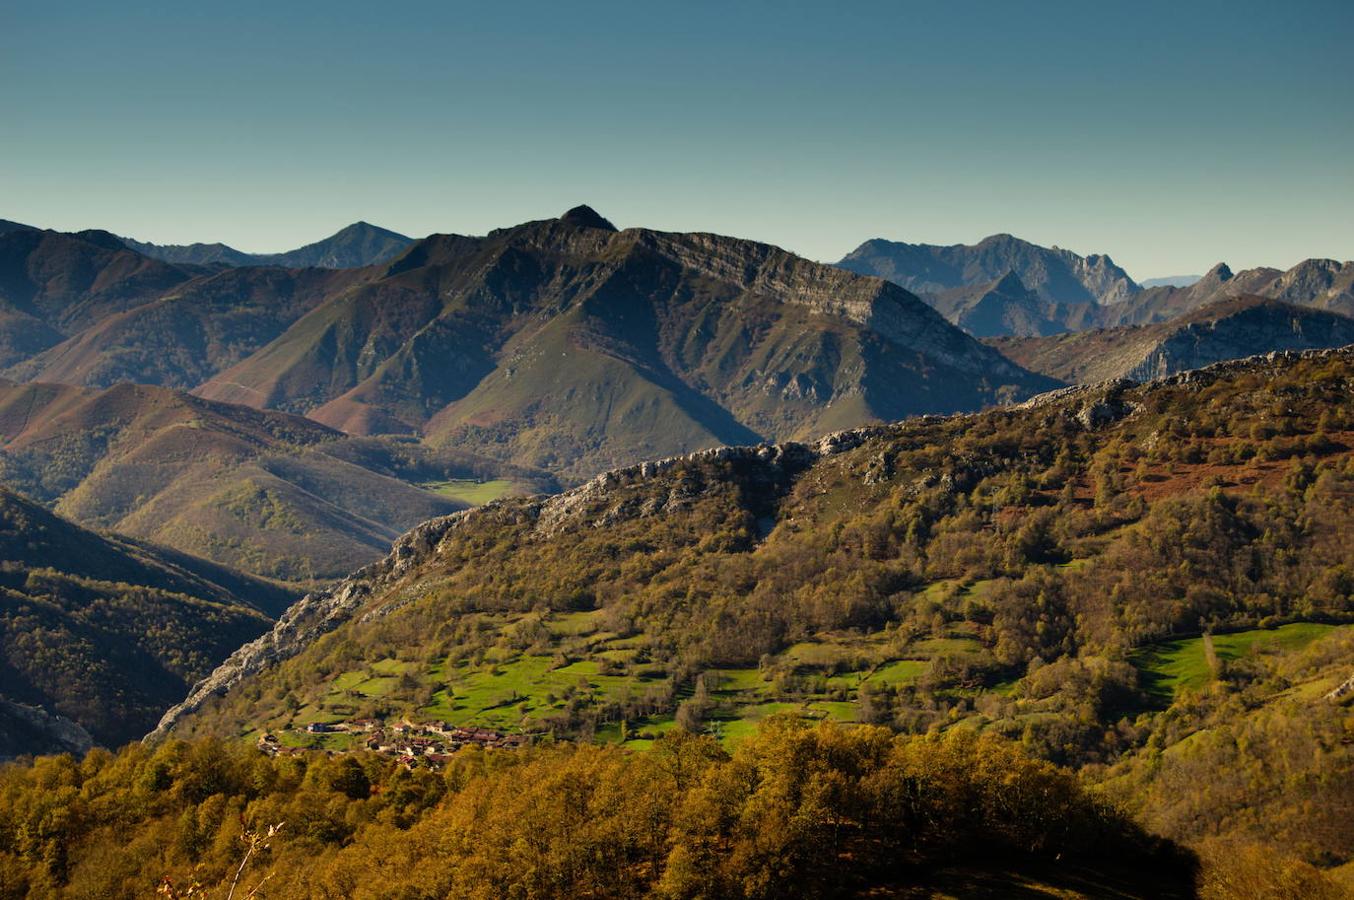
[(585, 216), (100, 238), (1220, 272)]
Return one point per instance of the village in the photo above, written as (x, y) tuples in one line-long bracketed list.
[(427, 743)]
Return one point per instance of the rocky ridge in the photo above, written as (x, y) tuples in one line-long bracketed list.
[(320, 612)]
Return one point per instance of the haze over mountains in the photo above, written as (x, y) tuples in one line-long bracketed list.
[(562, 344), (1003, 286), (1170, 281)]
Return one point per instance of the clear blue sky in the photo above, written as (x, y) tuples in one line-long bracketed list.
[(1170, 135)]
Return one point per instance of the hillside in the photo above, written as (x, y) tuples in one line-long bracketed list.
[(357, 245), (189, 333), (1227, 329), (1006, 571), (1057, 276), (53, 285), (667, 343), (105, 632), (1002, 307), (794, 812), (264, 492)]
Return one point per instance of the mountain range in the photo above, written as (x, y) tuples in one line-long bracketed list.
[(731, 489), (357, 245), (1003, 286), (569, 345), (269, 493), (1057, 276), (562, 344)]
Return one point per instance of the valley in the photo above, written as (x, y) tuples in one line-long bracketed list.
[(603, 451), (569, 486)]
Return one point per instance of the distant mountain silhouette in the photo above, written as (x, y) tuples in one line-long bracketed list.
[(1055, 275), (971, 286), (360, 244)]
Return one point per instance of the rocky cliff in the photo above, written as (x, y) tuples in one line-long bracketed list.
[(1054, 274)]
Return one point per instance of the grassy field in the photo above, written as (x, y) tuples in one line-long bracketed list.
[(1169, 666), (817, 679), (514, 690), (476, 493)]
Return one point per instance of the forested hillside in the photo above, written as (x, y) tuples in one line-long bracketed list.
[(793, 812), (1089, 574), (106, 632)]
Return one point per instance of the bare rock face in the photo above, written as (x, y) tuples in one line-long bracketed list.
[(1260, 327), (1274, 361), (1056, 275), (32, 730), (312, 616)]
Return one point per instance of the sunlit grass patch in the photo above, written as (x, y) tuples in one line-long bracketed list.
[(476, 493), (1169, 666)]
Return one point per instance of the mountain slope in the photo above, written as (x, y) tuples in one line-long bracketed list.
[(53, 285), (1227, 329), (753, 510), (191, 332), (1056, 275), (1003, 307), (259, 491), (1038, 572), (357, 245), (569, 345), (106, 632)]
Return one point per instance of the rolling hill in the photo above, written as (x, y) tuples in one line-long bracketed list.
[(265, 492), (103, 632), (567, 345), (1226, 329)]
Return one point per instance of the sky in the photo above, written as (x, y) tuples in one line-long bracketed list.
[(1169, 135)]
